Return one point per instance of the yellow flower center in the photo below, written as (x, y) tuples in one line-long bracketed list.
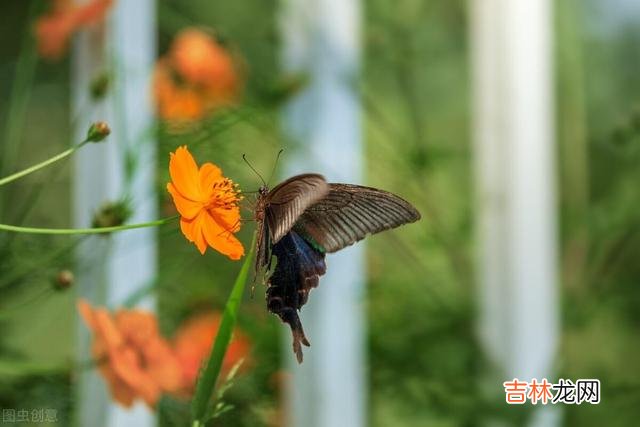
[(224, 195)]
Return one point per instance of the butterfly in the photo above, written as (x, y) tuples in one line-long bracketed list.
[(302, 219)]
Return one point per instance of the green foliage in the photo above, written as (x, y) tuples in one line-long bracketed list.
[(425, 364)]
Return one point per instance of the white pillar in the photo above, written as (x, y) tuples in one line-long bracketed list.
[(110, 268), (322, 39), (511, 45)]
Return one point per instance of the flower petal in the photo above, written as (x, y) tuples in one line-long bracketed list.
[(120, 391), (87, 314), (228, 219), (53, 32), (107, 329), (126, 365), (221, 239), (184, 174), (175, 103), (192, 344), (187, 208), (163, 365), (209, 174), (55, 28), (138, 327), (192, 230), (92, 12)]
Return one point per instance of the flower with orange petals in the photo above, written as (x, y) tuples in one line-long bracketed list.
[(193, 341), (54, 30), (200, 59), (178, 104), (194, 78), (134, 359), (207, 203)]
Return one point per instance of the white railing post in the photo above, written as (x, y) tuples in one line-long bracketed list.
[(511, 45), (111, 268), (321, 38)]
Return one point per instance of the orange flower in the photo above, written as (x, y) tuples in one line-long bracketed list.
[(54, 30), (193, 343), (135, 361), (199, 59), (180, 104), (195, 77), (207, 203)]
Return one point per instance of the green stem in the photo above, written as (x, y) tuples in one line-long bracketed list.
[(209, 375), (36, 167), (32, 230)]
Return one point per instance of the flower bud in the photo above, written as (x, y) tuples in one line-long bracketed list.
[(100, 86), (112, 214), (64, 280), (98, 131)]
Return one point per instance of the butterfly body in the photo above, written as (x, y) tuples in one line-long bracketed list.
[(301, 220)]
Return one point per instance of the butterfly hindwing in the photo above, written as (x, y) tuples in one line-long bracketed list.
[(298, 269)]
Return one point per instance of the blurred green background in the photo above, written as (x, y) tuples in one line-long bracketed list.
[(425, 365)]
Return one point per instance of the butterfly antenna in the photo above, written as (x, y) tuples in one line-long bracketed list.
[(275, 164), (244, 157)]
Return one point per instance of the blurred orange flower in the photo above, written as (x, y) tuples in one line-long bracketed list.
[(132, 356), (138, 363), (207, 203), (54, 30), (194, 78), (193, 342)]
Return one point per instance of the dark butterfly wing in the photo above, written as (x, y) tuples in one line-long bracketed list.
[(298, 269), (286, 202), (351, 212)]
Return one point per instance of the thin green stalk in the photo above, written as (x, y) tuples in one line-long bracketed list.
[(71, 231), (209, 375), (38, 166)]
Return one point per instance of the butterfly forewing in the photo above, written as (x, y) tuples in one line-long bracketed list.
[(280, 208), (286, 202), (348, 213)]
